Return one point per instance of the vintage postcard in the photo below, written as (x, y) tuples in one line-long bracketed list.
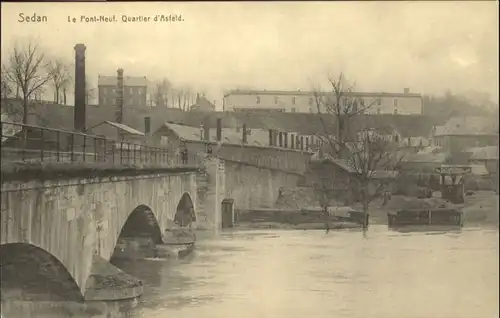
[(253, 159)]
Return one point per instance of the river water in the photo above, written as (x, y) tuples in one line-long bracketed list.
[(296, 274)]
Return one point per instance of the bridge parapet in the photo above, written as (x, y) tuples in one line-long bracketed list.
[(33, 144)]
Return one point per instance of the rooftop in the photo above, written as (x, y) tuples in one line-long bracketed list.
[(483, 153), (203, 104), (121, 127), (61, 117), (256, 137), (457, 126), (127, 81), (427, 157)]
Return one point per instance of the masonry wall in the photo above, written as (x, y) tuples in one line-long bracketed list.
[(273, 158), (73, 219), (255, 187), (269, 157)]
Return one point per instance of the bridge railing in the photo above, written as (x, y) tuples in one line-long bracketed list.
[(28, 143)]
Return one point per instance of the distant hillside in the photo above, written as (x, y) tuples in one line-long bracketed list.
[(450, 105)]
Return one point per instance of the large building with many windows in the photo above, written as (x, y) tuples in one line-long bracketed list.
[(404, 103), (134, 90)]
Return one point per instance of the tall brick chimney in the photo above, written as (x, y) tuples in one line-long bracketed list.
[(244, 134), (119, 96), (79, 115), (147, 125), (219, 129)]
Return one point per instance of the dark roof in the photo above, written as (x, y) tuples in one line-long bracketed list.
[(483, 153), (468, 126), (122, 127), (61, 117), (257, 137), (203, 104)]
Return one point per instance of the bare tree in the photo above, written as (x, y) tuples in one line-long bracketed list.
[(177, 95), (341, 104), (90, 92), (161, 92), (6, 87), (186, 98), (26, 68), (61, 77), (329, 184), (368, 158)]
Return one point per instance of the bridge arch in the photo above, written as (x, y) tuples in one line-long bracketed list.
[(185, 214), (36, 274), (141, 223)]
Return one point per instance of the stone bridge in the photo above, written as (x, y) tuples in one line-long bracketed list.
[(72, 221), (78, 220)]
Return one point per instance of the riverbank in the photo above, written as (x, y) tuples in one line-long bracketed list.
[(480, 208), (300, 226), (299, 219)]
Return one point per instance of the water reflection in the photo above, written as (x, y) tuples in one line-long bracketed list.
[(342, 274), (275, 274)]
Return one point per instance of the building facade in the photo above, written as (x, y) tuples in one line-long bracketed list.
[(460, 133), (134, 90), (405, 103)]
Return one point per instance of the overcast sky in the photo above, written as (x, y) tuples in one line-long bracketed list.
[(382, 46)]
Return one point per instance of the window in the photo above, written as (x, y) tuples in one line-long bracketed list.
[(258, 100), (310, 101), (164, 140), (395, 101), (275, 99), (293, 110), (362, 102), (379, 101), (293, 100)]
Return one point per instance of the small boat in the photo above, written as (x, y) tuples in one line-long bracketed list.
[(438, 218)]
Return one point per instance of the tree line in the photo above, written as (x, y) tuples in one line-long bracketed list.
[(28, 71), (162, 93)]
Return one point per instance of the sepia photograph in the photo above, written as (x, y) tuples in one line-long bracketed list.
[(249, 159)]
